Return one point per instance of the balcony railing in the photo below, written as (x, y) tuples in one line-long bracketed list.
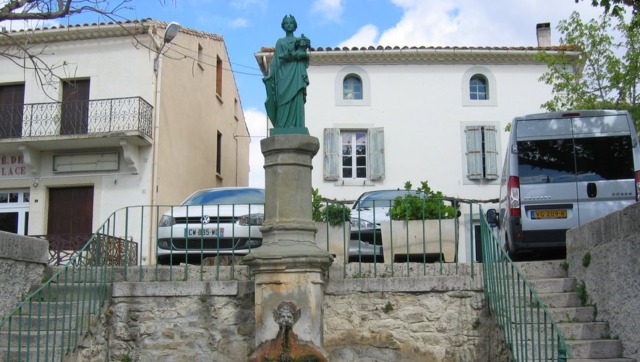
[(99, 116)]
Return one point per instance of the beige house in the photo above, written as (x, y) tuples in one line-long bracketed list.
[(116, 115)]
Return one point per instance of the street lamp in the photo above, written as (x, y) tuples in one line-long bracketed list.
[(169, 34)]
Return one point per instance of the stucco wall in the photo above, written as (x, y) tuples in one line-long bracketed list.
[(22, 264), (605, 255)]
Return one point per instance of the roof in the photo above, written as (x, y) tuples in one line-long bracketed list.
[(421, 55), (93, 31)]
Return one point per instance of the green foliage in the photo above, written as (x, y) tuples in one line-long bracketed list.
[(583, 295), (331, 212), (426, 204), (387, 308), (476, 324), (586, 260), (565, 265), (607, 73), (125, 358)]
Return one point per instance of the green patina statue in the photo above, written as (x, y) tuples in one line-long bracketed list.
[(287, 81)]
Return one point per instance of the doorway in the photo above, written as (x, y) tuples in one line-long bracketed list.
[(14, 211), (75, 107)]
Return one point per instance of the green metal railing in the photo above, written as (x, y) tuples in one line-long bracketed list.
[(528, 329), (52, 320)]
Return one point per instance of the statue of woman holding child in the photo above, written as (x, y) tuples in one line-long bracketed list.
[(287, 81)]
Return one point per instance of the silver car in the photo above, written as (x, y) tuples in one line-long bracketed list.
[(211, 222)]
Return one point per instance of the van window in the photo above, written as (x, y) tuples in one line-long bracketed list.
[(604, 158), (571, 160), (546, 161)]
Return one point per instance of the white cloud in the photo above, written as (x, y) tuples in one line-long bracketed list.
[(238, 23), (367, 35), (257, 124), (471, 23), (330, 10)]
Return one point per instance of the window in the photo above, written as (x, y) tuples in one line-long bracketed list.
[(352, 87), (219, 76), (200, 56), (219, 153), (482, 152), (478, 87), (11, 110), (353, 154)]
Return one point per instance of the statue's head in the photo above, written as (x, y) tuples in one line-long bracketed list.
[(295, 23)]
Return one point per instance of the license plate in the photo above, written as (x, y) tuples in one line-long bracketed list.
[(549, 214), (200, 232)]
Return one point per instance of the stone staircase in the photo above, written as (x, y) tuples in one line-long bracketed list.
[(588, 338)]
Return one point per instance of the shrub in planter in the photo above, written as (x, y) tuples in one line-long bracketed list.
[(333, 213), (333, 224), (422, 223), (424, 204)]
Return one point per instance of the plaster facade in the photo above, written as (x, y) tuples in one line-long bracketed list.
[(197, 136)]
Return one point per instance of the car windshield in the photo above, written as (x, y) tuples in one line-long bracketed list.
[(379, 198), (226, 197)]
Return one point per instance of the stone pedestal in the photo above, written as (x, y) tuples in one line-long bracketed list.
[(289, 268)]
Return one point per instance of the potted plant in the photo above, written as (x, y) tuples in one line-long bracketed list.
[(332, 220), (421, 223)]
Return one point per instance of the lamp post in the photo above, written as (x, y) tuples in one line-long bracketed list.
[(171, 31)]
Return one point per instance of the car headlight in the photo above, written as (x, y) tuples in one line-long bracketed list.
[(251, 220), (359, 224), (166, 220)]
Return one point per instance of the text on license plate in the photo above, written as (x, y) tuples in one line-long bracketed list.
[(202, 232), (549, 214)]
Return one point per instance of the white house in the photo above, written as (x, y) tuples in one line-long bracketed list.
[(387, 115), (123, 116)]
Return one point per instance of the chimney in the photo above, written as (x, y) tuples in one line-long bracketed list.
[(543, 31)]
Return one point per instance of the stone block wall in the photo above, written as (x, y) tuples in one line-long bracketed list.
[(22, 264), (604, 257), (427, 318)]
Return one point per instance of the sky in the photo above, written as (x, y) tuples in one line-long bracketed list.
[(248, 25)]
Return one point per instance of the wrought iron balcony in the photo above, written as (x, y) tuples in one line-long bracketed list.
[(92, 117)]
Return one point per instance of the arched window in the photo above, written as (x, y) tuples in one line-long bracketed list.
[(352, 87), (478, 88)]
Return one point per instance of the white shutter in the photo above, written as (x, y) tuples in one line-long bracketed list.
[(490, 153), (331, 154), (376, 153), (474, 152)]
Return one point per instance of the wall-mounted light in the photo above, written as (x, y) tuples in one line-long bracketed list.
[(35, 183)]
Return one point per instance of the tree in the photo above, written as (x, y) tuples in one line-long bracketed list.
[(616, 7), (21, 51), (56, 9), (606, 75)]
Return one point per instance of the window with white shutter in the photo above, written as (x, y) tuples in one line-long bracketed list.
[(353, 154), (482, 152)]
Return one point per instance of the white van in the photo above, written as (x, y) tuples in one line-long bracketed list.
[(561, 170)]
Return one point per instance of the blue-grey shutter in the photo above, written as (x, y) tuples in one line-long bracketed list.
[(376, 153), (331, 154), (474, 152), (490, 153)]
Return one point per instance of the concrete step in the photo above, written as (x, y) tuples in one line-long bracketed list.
[(580, 331), (553, 285), (601, 360), (560, 300), (596, 348), (543, 269), (572, 314)]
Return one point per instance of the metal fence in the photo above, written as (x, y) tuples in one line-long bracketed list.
[(132, 114), (50, 321), (526, 324)]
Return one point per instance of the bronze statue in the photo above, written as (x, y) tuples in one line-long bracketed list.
[(287, 81)]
